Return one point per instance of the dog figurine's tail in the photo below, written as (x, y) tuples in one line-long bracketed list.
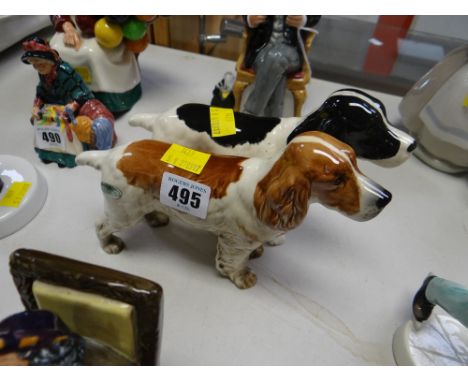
[(145, 120), (91, 158)]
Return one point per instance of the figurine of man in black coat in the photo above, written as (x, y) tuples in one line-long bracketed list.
[(273, 52)]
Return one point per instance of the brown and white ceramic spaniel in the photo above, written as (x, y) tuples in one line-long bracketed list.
[(253, 200)]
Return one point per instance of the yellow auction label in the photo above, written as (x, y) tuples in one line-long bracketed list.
[(185, 158), (222, 122), (465, 101), (15, 194)]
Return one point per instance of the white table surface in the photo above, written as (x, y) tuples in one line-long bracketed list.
[(333, 294)]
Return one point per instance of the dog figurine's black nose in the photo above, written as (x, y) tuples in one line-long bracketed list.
[(412, 146), (384, 198)]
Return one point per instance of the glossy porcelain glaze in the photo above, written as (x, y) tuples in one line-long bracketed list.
[(449, 295), (109, 315), (38, 338), (349, 115), (93, 128), (222, 93), (67, 117), (275, 48), (435, 110), (431, 338), (439, 341), (14, 172), (118, 314), (252, 201), (103, 50)]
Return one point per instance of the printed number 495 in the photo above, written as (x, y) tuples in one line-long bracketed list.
[(185, 196)]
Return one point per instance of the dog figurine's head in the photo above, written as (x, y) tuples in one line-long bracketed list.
[(360, 120), (317, 168)]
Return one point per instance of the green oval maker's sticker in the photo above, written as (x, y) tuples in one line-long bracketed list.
[(111, 191)]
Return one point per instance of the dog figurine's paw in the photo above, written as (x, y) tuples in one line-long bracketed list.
[(114, 246), (257, 253), (244, 279), (157, 219), (277, 241)]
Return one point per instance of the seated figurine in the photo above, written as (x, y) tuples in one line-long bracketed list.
[(246, 202), (38, 338), (274, 52), (67, 117), (350, 115)]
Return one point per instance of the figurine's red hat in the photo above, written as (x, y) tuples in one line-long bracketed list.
[(38, 48)]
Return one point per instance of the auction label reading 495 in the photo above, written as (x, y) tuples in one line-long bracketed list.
[(185, 195)]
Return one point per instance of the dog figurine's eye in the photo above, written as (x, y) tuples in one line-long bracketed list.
[(340, 179)]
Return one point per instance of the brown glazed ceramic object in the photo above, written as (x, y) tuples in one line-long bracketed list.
[(98, 295)]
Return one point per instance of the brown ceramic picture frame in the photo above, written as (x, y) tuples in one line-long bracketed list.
[(145, 296)]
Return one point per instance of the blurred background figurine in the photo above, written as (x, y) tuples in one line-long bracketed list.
[(103, 49), (274, 51), (67, 117), (222, 93), (450, 296), (38, 338)]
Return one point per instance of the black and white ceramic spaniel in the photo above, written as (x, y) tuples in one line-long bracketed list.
[(350, 115), (252, 201)]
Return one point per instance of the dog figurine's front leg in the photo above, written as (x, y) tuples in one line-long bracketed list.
[(157, 219), (109, 242), (231, 260), (279, 240)]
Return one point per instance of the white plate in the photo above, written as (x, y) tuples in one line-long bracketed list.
[(440, 341), (16, 169)]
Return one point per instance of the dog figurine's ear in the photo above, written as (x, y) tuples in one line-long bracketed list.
[(282, 199)]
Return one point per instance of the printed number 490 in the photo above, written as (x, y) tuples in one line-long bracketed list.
[(185, 196), (51, 137)]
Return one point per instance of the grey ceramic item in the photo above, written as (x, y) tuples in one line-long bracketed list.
[(435, 111)]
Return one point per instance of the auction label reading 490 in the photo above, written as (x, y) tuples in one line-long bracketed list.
[(49, 136), (185, 195)]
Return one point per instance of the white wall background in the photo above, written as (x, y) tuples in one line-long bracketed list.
[(452, 26), (448, 26), (15, 28)]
